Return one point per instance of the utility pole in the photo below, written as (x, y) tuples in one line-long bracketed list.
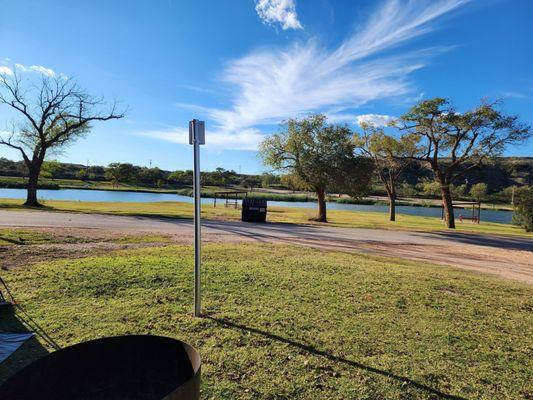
[(196, 138)]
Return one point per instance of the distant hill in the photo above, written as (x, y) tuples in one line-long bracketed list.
[(498, 175)]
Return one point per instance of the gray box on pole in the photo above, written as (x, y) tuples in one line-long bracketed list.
[(199, 133)]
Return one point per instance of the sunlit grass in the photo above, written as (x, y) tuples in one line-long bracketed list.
[(296, 323), (354, 219)]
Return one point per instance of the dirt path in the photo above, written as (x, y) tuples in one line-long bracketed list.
[(504, 256)]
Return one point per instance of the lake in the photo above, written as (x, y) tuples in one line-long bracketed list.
[(504, 217)]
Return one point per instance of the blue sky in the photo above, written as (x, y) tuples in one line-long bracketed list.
[(245, 65)]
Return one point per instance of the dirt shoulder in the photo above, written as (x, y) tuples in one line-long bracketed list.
[(64, 243)]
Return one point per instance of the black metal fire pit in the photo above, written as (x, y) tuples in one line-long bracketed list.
[(137, 367)]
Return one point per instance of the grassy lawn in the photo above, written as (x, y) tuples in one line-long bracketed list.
[(17, 236), (353, 219), (11, 237), (294, 323)]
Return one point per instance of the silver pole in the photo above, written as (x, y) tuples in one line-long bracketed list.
[(197, 226)]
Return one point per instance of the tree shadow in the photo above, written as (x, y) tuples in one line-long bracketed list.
[(307, 348), (12, 241), (492, 240)]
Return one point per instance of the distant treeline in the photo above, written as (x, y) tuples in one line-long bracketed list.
[(133, 174), (499, 177)]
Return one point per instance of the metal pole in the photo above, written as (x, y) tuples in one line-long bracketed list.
[(197, 227)]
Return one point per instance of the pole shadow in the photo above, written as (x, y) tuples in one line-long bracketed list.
[(321, 353)]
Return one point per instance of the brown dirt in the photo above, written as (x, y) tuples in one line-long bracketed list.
[(506, 263), (80, 242)]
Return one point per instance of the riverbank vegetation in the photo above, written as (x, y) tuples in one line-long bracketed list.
[(503, 178), (292, 322), (349, 219)]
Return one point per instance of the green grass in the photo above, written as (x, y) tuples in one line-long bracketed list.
[(18, 236), (352, 219), (295, 323), (11, 237)]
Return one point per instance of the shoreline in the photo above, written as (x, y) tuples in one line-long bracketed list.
[(290, 198)]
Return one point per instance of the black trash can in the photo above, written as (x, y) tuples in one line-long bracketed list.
[(139, 367), (254, 210)]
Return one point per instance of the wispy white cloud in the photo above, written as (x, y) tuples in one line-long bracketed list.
[(5, 70), (270, 85), (247, 139), (273, 84), (199, 89), (513, 95), (281, 12), (374, 119), (35, 68)]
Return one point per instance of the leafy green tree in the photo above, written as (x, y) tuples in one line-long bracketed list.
[(291, 182), (453, 143), (51, 169), (321, 155), (523, 212), (54, 113), (181, 177), (390, 156), (250, 181), (479, 191), (458, 191), (268, 180), (150, 175), (82, 174), (407, 190), (430, 188), (120, 172)]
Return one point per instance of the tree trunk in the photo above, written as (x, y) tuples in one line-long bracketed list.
[(321, 195), (447, 204), (34, 170), (392, 205), (31, 197)]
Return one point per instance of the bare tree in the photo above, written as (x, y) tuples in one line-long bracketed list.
[(453, 143), (54, 112)]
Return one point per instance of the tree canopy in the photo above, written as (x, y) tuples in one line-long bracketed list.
[(321, 155), (390, 156), (452, 143)]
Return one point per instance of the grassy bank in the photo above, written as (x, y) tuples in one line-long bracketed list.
[(293, 323), (353, 219)]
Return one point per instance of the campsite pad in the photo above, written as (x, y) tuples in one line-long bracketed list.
[(10, 342)]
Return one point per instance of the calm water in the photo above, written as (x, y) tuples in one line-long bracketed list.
[(104, 195)]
